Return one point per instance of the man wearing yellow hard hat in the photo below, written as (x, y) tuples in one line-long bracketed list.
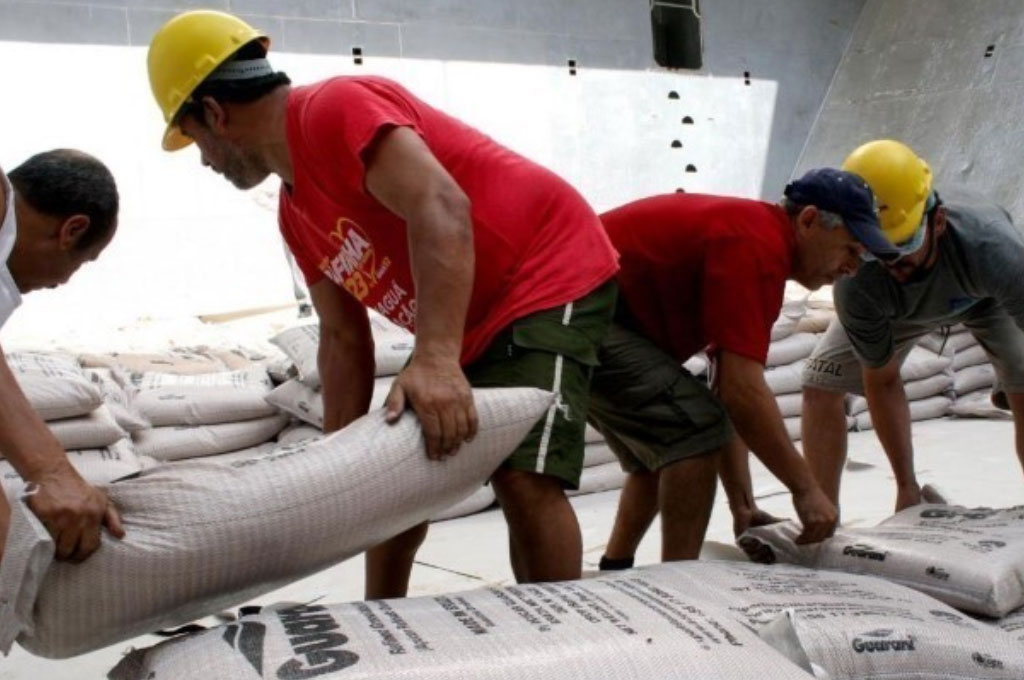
[(960, 260), (498, 266)]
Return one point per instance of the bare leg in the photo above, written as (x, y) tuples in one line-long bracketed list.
[(823, 429), (389, 565), (1017, 406), (544, 533), (686, 494), (638, 506)]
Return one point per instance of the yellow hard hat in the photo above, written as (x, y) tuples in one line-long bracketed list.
[(901, 181), (184, 52)]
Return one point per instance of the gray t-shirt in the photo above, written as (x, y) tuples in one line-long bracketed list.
[(981, 263)]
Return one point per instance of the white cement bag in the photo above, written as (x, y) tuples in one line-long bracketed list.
[(697, 365), (598, 454), (793, 427), (791, 349), (298, 432), (307, 403), (186, 441), (607, 477), (118, 395), (789, 316), (1013, 624), (940, 383), (166, 399), (957, 339), (790, 404), (481, 499), (592, 436), (922, 409), (974, 378), (94, 431), (969, 356), (815, 321), (203, 536), (972, 559), (97, 466), (786, 379), (636, 625), (392, 349), (54, 384), (978, 404), (922, 363), (178, 361)]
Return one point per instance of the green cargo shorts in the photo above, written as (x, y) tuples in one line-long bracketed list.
[(651, 410), (556, 350)]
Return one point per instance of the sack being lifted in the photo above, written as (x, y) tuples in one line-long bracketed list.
[(202, 536)]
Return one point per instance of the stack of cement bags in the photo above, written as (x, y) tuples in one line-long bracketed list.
[(695, 619), (927, 381), (973, 375), (204, 414), (90, 415)]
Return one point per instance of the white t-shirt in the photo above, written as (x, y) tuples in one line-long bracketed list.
[(10, 296)]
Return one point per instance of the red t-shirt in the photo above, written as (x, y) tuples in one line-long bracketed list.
[(537, 242), (703, 271)]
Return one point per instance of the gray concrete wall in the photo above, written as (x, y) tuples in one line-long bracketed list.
[(916, 71), (797, 43)]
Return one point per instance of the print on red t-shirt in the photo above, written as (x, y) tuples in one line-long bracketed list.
[(536, 241), (699, 271)]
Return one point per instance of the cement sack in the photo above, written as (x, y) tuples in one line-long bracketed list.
[(298, 432), (786, 379), (94, 431), (681, 620), (177, 361), (203, 536), (857, 627), (938, 384), (793, 427), (971, 559), (281, 370), (97, 466), (598, 454), (959, 338), (697, 365), (922, 409), (978, 404), (815, 321), (789, 316), (607, 477), (186, 441), (971, 356), (922, 363), (54, 384), (391, 350), (790, 404), (974, 378), (1013, 624), (592, 436), (118, 396), (791, 349), (481, 499), (166, 399), (638, 625), (307, 403)]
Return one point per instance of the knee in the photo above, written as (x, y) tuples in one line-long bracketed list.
[(815, 397), (522, 487)]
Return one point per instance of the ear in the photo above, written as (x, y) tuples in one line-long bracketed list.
[(215, 115), (71, 231), (806, 218), (940, 221)]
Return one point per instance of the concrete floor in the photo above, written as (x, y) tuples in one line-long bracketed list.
[(972, 462)]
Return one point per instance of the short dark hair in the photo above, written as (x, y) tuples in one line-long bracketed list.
[(65, 182), (238, 91)]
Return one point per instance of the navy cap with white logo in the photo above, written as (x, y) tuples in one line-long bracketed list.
[(848, 196)]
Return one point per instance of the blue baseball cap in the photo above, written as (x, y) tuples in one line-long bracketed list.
[(850, 197)]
